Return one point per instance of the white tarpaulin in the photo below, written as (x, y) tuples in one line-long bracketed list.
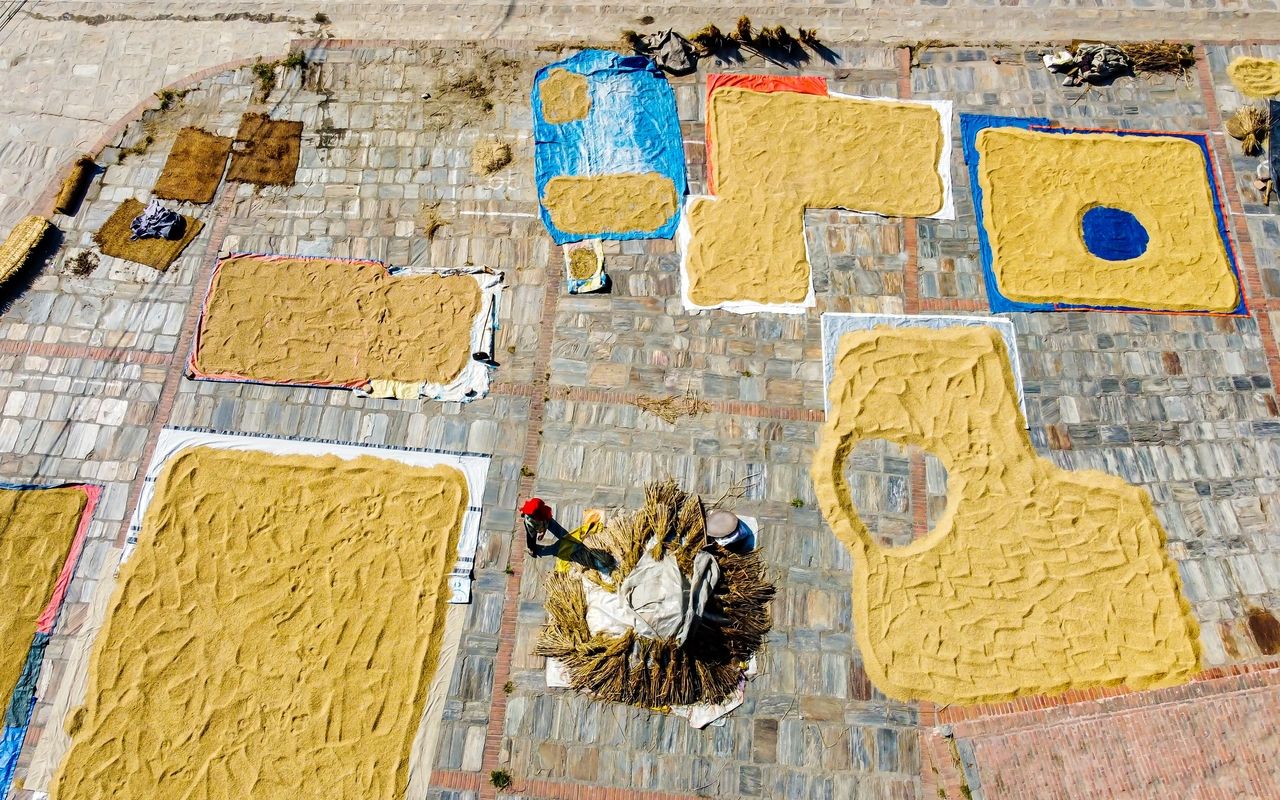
[(474, 467), (836, 325), (656, 599)]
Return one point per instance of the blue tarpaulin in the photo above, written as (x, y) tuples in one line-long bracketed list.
[(631, 127), (18, 715), (970, 126), (973, 124)]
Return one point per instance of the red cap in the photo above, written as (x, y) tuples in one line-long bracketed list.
[(534, 507)]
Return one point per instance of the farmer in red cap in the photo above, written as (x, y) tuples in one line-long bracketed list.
[(537, 521)]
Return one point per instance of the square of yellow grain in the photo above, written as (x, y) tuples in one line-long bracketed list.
[(274, 634), (330, 321), (37, 527), (1036, 187)]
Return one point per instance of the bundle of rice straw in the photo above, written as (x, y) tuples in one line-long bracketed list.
[(709, 40), (674, 407), (74, 187), (653, 673), (777, 38), (1171, 58), (25, 237), (631, 41), (1249, 125)]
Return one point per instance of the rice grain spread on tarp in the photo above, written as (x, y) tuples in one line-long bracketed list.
[(609, 158), (42, 533), (1035, 579), (282, 319), (781, 152), (194, 167), (1035, 185), (277, 626), (36, 530)]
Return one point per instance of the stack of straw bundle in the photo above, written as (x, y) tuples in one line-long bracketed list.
[(22, 241), (652, 673)]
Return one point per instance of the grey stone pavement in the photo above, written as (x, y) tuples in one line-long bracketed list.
[(89, 367)]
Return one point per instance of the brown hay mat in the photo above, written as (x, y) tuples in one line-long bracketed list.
[(113, 238), (194, 168), (266, 151)]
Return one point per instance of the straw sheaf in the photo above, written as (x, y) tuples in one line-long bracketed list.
[(660, 673), (25, 237), (1249, 125), (73, 188)]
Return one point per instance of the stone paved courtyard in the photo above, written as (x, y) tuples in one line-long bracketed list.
[(1182, 405)]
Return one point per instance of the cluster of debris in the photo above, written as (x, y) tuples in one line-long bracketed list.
[(679, 54), (1098, 64), (1095, 64)]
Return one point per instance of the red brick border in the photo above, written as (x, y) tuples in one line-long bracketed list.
[(732, 407), (545, 790), (175, 373), (910, 225), (119, 355), (942, 775), (537, 393), (1041, 704), (968, 304)]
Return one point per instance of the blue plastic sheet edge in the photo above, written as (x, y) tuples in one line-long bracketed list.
[(18, 715), (972, 124), (565, 149)]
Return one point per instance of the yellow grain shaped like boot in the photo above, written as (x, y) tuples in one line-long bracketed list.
[(1035, 579)]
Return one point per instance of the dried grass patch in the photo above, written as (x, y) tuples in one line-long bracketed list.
[(266, 151), (113, 238), (194, 168), (490, 156), (674, 407)]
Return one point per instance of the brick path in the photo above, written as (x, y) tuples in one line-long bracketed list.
[(1184, 406), (1215, 738)]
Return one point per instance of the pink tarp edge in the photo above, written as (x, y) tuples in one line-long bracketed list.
[(44, 623)]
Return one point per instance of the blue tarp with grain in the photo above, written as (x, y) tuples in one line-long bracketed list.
[(631, 127), (973, 124)]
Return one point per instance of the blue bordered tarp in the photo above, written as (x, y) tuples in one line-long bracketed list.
[(631, 127), (973, 124), (22, 702)]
